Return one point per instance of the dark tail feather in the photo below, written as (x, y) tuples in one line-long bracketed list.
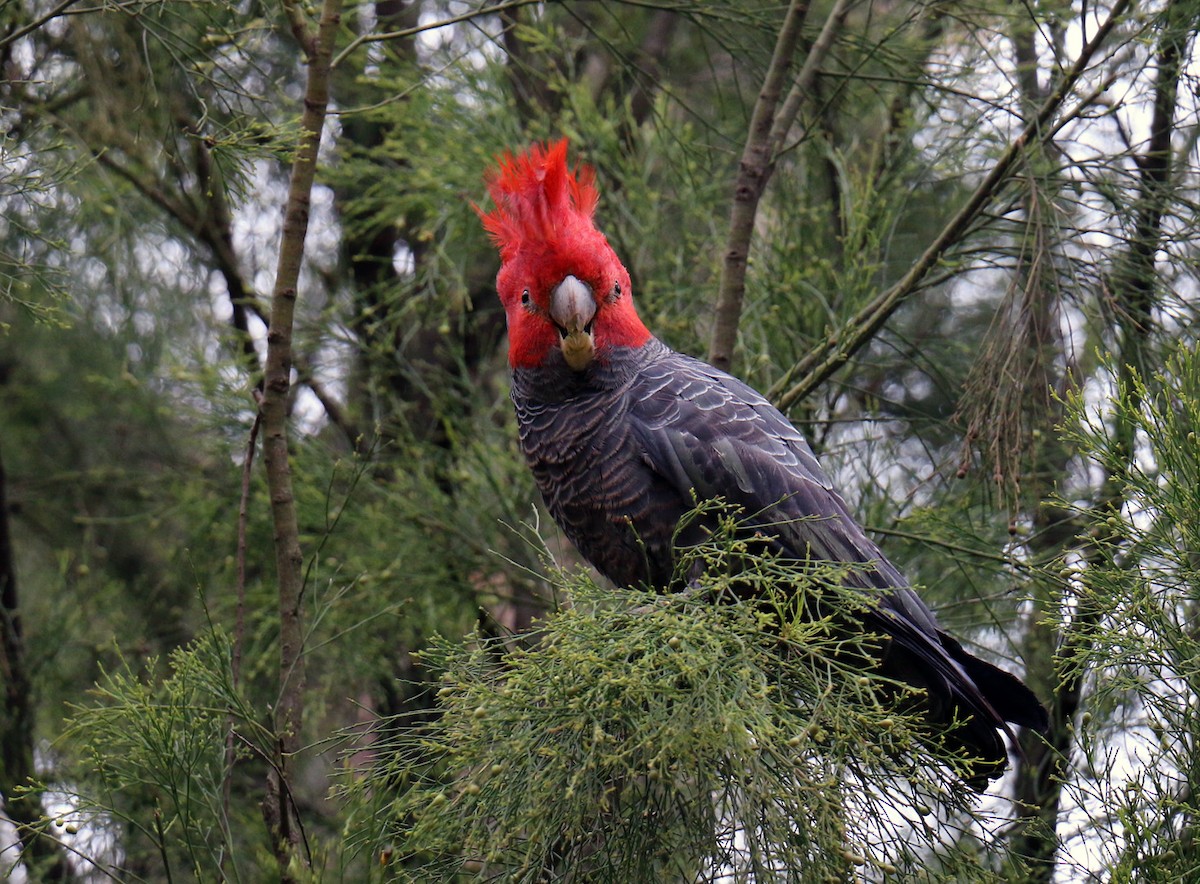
[(970, 708), (1006, 693)]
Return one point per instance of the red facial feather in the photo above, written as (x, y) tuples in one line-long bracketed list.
[(543, 226)]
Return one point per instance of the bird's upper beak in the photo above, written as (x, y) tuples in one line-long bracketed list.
[(572, 307)]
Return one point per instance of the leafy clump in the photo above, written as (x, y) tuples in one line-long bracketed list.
[(160, 749), (689, 736), (1133, 601)]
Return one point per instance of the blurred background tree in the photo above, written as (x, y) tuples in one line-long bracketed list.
[(970, 279)]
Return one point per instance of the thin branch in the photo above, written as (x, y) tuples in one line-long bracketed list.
[(216, 231), (300, 30), (754, 170), (177, 210), (38, 22), (432, 26), (280, 814), (1039, 785), (208, 219), (926, 540), (803, 86), (334, 410), (753, 178), (160, 841), (837, 350)]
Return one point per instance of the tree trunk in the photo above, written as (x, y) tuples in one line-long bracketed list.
[(41, 856), (279, 806)]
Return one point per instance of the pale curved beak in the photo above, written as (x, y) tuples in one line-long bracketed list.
[(572, 307)]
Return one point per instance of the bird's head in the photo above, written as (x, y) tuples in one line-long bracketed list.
[(563, 288)]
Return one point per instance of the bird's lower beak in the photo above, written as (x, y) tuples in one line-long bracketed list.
[(572, 307)]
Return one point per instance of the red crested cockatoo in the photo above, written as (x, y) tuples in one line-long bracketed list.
[(624, 435)]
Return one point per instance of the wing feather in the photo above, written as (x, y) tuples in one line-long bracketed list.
[(703, 430)]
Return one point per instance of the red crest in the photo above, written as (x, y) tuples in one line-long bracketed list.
[(538, 198)]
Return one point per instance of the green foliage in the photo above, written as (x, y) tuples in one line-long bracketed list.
[(115, 495), (641, 737), (154, 754), (1135, 603), (666, 737)]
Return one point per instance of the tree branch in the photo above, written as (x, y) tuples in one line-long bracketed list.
[(216, 231), (807, 78), (176, 210), (754, 171), (300, 30), (758, 164), (432, 26), (288, 557), (818, 366), (334, 410), (51, 14)]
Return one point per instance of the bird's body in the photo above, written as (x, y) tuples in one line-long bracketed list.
[(625, 435), (639, 438)]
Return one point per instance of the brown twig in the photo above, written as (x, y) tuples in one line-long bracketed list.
[(62, 8)]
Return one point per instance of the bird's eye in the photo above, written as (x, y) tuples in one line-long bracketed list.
[(615, 293), (526, 299)]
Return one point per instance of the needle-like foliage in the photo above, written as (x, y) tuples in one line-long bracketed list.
[(154, 762), (1134, 605), (712, 734)]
